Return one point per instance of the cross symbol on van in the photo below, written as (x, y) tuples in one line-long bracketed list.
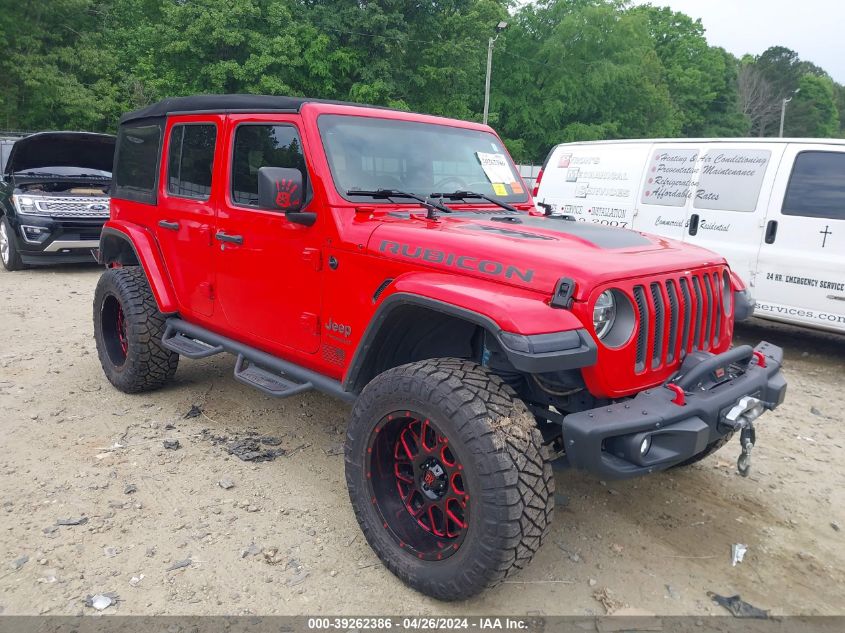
[(826, 232)]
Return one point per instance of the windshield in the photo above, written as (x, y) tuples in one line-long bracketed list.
[(64, 171), (421, 158)]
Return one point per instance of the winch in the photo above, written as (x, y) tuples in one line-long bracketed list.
[(741, 418)]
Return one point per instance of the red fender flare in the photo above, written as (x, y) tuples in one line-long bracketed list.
[(148, 255)]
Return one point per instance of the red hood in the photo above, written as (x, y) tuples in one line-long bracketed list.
[(532, 251)]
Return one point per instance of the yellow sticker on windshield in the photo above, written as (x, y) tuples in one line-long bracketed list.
[(499, 189)]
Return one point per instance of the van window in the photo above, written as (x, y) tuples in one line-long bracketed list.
[(259, 146), (136, 162), (730, 179), (817, 186), (669, 175), (190, 160)]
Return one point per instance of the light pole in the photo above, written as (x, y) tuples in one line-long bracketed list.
[(501, 26), (783, 110)]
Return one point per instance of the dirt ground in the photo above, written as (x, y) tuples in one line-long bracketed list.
[(283, 540)]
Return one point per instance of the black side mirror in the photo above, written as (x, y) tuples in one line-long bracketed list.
[(281, 189)]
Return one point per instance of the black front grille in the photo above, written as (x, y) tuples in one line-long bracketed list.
[(683, 314), (642, 333)]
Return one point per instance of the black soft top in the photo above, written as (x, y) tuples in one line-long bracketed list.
[(226, 103)]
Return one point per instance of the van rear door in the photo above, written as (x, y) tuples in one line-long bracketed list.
[(801, 270), (594, 182), (728, 201)]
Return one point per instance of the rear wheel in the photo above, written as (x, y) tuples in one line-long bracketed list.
[(127, 329), (448, 476), (9, 254)]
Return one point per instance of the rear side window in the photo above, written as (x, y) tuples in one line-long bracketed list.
[(259, 146), (817, 186), (190, 160), (136, 162), (731, 179)]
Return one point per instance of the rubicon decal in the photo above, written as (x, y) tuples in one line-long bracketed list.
[(463, 262)]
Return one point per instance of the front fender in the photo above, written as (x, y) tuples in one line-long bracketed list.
[(510, 309), (115, 234), (535, 337)]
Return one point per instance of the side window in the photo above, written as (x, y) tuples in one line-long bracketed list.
[(136, 164), (817, 186), (731, 179), (669, 175), (259, 146), (190, 160)]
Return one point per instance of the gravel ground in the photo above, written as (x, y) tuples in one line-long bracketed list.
[(198, 531)]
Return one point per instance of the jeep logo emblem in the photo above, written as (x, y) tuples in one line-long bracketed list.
[(340, 328), (97, 207)]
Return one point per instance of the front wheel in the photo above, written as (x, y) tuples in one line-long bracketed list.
[(9, 254), (448, 476), (127, 329)]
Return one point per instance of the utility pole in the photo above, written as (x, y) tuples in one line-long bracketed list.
[(783, 110), (501, 26)]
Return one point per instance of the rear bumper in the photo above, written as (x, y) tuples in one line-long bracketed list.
[(606, 441)]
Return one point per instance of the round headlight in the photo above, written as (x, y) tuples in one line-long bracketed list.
[(604, 313)]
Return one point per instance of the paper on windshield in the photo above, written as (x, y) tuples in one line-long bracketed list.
[(496, 168)]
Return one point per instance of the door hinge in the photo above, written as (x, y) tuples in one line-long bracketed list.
[(313, 255)]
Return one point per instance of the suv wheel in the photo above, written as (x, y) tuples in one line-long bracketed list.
[(128, 329), (448, 476), (9, 254)]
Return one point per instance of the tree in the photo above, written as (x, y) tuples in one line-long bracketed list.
[(758, 99), (579, 70), (701, 79), (813, 111)]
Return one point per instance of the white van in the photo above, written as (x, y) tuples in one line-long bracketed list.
[(774, 208)]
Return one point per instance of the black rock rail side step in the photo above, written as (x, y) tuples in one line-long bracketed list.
[(186, 346), (270, 374), (270, 383)]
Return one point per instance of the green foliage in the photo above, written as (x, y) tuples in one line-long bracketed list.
[(813, 111), (595, 74), (564, 70)]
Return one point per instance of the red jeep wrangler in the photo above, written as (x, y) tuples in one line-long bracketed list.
[(396, 261)]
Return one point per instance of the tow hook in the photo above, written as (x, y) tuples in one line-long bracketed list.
[(741, 418)]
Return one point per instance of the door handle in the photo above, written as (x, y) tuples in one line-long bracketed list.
[(165, 224), (771, 231), (693, 224), (225, 237)]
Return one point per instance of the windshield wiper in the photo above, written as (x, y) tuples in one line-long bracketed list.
[(395, 193), (460, 195)]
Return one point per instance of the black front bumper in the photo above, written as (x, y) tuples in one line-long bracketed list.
[(607, 441), (43, 240)]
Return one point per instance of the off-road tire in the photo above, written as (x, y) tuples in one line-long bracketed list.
[(12, 258), (146, 365), (507, 473), (707, 452)]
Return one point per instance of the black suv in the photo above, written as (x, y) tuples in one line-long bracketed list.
[(54, 198)]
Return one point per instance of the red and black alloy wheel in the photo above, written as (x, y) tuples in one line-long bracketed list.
[(417, 485), (448, 476), (113, 322)]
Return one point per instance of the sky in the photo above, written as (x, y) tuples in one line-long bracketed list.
[(813, 28)]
